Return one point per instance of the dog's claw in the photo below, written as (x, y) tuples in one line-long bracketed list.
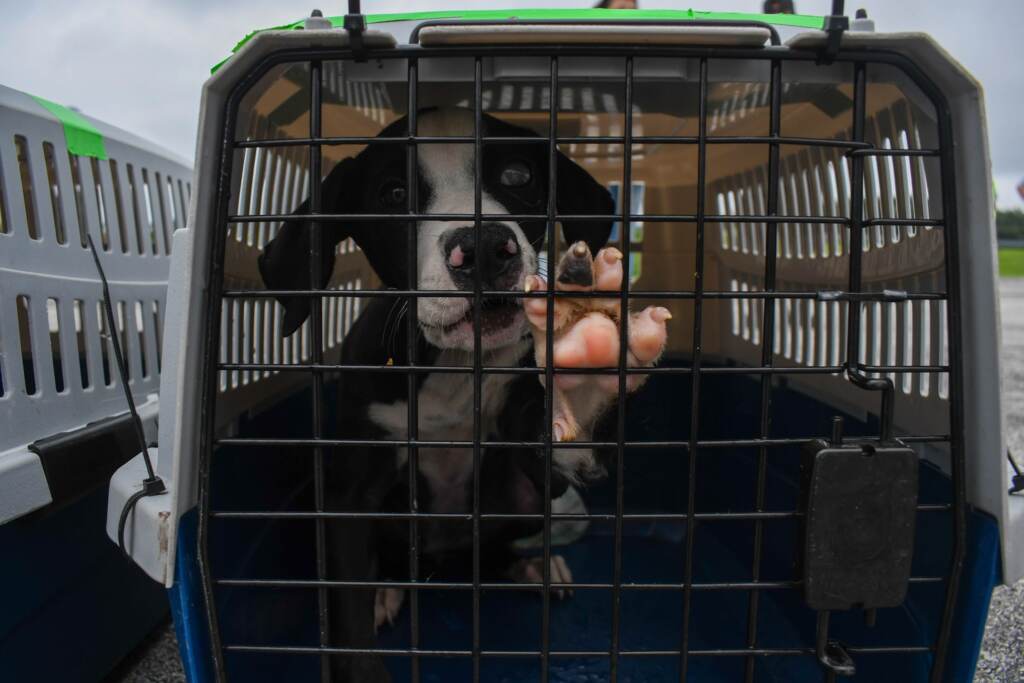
[(531, 570), (387, 604), (576, 269)]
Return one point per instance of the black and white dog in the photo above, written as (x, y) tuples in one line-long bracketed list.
[(513, 331)]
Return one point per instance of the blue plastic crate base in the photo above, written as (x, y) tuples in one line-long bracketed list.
[(651, 619)]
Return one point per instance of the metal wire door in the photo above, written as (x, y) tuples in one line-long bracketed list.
[(705, 223)]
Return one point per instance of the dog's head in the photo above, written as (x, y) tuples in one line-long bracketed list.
[(514, 180)]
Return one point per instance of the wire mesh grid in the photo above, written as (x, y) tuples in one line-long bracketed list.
[(855, 367)]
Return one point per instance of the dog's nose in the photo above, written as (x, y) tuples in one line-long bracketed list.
[(497, 259)]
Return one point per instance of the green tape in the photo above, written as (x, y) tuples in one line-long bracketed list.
[(796, 20), (82, 137)]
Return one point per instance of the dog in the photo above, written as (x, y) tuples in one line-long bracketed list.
[(513, 332)]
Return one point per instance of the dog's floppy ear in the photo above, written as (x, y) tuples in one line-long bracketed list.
[(580, 194), (285, 263)]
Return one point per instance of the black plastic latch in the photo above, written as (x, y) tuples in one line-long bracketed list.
[(355, 24), (836, 24), (834, 657), (859, 516)]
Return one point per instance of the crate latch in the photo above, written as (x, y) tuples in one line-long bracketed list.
[(859, 506), (355, 24), (836, 24)]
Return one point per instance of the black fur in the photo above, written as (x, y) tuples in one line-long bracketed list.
[(367, 479)]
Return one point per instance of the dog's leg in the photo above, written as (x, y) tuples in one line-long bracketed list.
[(353, 609), (586, 335)]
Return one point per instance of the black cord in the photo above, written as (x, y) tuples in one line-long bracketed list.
[(153, 484), (1017, 483)]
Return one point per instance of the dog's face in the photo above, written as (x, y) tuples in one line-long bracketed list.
[(450, 256)]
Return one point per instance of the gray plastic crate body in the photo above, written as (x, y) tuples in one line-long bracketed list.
[(56, 362)]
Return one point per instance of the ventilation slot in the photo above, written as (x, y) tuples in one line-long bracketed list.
[(172, 207), (184, 203), (159, 197), (4, 229), (122, 332), (80, 344), (101, 204), (122, 229), (28, 366), (53, 322), (150, 214), (105, 342), (135, 208), (24, 166), (158, 335), (140, 330), (79, 190), (49, 158)]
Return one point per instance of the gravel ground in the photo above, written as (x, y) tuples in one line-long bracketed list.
[(1002, 653), (154, 661)]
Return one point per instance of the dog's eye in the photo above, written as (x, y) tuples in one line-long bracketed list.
[(392, 193), (516, 174)]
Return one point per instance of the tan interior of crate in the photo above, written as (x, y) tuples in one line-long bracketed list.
[(811, 258)]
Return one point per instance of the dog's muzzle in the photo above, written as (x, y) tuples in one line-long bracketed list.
[(499, 257)]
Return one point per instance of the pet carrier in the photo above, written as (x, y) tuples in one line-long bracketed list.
[(65, 179), (811, 482)]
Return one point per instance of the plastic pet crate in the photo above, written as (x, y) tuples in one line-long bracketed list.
[(63, 178), (812, 203)]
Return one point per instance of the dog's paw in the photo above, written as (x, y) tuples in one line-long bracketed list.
[(386, 606), (531, 570), (586, 335)]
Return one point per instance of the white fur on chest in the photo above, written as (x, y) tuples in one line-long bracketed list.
[(445, 409)]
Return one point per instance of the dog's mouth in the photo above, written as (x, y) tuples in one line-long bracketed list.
[(497, 313)]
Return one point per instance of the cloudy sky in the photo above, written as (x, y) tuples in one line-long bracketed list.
[(140, 64)]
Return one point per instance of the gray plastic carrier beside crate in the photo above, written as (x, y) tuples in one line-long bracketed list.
[(57, 367)]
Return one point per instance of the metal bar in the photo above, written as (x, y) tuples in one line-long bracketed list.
[(412, 336), (956, 396), (207, 415), (564, 218), (625, 231), (861, 148), (575, 654), (549, 355), (718, 443), (771, 248), (877, 152), (502, 370), (525, 516), (316, 353), (478, 164), (637, 294), (698, 312), (515, 586)]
